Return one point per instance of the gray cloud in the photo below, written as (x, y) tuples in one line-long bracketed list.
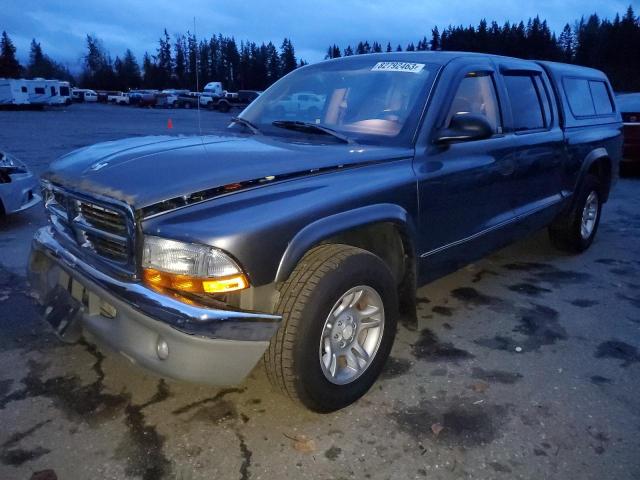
[(61, 26)]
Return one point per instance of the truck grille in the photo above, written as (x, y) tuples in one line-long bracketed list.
[(99, 228)]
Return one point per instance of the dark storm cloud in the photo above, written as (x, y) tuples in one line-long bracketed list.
[(62, 25)]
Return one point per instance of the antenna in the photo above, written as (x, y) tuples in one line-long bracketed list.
[(195, 36)]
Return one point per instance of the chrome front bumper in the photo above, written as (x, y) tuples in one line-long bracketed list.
[(172, 338)]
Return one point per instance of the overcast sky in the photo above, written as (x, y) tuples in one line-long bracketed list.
[(61, 25)]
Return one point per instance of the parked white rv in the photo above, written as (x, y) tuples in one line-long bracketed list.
[(53, 88), (39, 91), (13, 92), (65, 92)]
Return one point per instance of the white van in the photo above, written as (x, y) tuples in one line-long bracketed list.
[(13, 92), (84, 95)]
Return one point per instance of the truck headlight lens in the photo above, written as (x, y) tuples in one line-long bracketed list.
[(187, 267)]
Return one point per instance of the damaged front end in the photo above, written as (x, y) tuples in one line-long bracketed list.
[(18, 186)]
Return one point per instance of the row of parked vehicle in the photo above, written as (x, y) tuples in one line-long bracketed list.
[(213, 97), (38, 92)]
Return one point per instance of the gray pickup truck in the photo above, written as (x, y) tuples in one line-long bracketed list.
[(300, 237)]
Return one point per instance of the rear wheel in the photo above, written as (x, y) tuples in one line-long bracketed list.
[(339, 310), (575, 230)]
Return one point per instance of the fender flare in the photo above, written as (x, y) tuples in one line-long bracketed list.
[(326, 227), (594, 156)]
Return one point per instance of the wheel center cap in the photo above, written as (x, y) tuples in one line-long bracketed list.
[(347, 333)]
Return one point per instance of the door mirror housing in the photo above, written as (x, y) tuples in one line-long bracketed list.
[(465, 127)]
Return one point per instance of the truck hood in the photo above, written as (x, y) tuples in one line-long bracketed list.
[(145, 171)]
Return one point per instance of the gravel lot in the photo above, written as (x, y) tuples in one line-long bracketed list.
[(457, 400)]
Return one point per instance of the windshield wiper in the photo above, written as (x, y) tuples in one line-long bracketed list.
[(246, 123), (311, 128)]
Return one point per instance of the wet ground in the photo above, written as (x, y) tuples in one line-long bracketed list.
[(523, 365)]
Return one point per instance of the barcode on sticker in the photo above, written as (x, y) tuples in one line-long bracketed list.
[(398, 67)]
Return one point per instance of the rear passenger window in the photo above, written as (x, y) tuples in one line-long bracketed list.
[(477, 94), (601, 99), (579, 97), (525, 98)]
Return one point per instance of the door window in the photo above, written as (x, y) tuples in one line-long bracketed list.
[(477, 94), (525, 98)]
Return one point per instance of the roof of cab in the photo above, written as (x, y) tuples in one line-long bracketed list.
[(439, 57)]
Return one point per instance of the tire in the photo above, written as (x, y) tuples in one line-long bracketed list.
[(294, 359), (566, 233), (224, 107)]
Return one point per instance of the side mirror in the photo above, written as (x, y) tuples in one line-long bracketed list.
[(464, 127)]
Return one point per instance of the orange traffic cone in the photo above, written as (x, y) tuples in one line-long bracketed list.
[(169, 124)]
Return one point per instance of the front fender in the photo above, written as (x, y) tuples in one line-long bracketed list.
[(327, 227)]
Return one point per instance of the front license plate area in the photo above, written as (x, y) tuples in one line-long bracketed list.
[(63, 313)]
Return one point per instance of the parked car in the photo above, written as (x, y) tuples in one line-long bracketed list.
[(120, 99), (166, 100), (84, 95), (207, 100), (300, 241), (629, 105), (103, 95), (112, 96), (18, 186), (143, 98), (305, 103), (188, 100), (234, 100)]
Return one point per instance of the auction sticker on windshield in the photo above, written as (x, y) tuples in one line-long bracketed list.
[(398, 67)]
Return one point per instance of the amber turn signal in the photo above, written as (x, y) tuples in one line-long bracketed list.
[(184, 283)]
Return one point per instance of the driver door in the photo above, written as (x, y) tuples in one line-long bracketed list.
[(465, 188)]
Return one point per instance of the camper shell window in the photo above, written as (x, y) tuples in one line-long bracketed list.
[(601, 97), (23, 89), (588, 98), (39, 90)]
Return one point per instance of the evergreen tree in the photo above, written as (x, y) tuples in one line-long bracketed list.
[(9, 65), (164, 63), (566, 43), (435, 39), (288, 61), (127, 71), (98, 69), (192, 60), (40, 65), (180, 62)]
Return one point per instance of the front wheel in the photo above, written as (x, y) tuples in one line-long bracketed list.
[(339, 309), (575, 230)]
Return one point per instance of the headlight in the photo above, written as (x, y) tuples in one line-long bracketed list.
[(187, 267)]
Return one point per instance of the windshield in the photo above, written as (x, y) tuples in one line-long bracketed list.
[(363, 99)]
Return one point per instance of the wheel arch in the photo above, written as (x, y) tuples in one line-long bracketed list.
[(598, 162), (348, 227), (385, 230)]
